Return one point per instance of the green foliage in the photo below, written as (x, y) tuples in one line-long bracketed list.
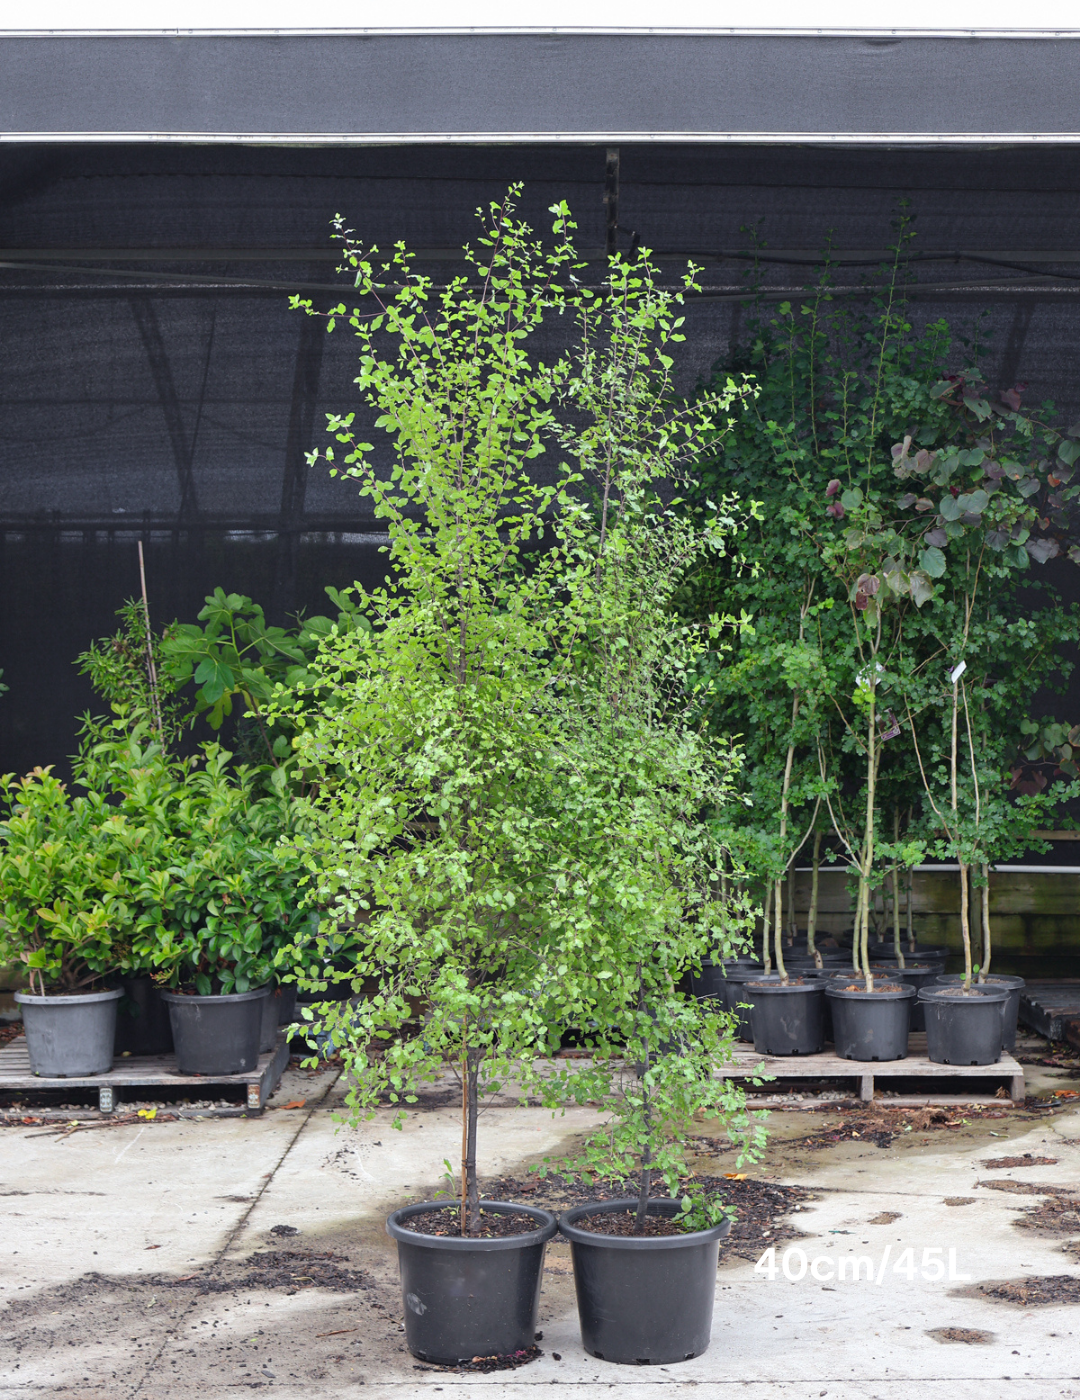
[(234, 657), (508, 776), (168, 866), (228, 661), (65, 900), (901, 509)]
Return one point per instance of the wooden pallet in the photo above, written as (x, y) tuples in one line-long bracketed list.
[(145, 1072), (1049, 1006), (871, 1075)]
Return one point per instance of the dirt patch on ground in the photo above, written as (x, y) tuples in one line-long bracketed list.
[(885, 1217), (972, 1336), (761, 1207), (1027, 1188), (1048, 1291), (997, 1164), (484, 1365), (960, 1200), (1053, 1218)]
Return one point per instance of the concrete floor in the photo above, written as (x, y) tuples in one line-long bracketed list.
[(104, 1228)]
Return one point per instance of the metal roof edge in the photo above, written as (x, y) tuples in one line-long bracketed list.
[(506, 138), (692, 31)]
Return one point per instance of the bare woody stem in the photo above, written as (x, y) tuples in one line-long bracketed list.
[(811, 917)]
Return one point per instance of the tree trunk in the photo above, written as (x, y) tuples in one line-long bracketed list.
[(779, 931), (985, 969), (965, 925), (896, 891), (811, 917), (472, 1186), (766, 931)]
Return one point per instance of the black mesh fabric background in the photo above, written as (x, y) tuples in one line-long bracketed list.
[(145, 394)]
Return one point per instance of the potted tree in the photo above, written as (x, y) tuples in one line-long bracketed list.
[(64, 914), (438, 817)]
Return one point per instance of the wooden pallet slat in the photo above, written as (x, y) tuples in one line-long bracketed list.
[(876, 1074), (145, 1072)]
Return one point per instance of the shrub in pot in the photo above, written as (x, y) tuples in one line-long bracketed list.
[(645, 1267), (65, 913), (465, 813), (214, 920)]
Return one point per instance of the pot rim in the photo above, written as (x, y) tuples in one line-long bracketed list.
[(61, 999), (190, 998), (959, 998), (759, 984), (576, 1235), (1003, 979), (895, 992), (548, 1226)]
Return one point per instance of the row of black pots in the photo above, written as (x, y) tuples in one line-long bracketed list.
[(798, 1016), (642, 1300), (70, 1037)]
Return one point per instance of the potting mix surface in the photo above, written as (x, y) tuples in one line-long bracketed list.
[(446, 1221), (625, 1222)]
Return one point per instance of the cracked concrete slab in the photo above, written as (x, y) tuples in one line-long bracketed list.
[(111, 1237)]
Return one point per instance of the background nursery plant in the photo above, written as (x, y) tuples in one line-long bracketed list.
[(464, 753), (907, 506)]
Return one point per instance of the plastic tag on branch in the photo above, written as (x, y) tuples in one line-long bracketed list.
[(957, 672), (888, 726), (867, 680)]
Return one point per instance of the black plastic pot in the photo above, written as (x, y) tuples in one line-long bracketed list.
[(963, 1028), (470, 1297), (710, 981), (735, 1000), (643, 1301), (870, 1025), (142, 1019), (830, 958), (787, 1018), (278, 1009), (1010, 1009), (915, 974), (882, 950), (216, 1035), (69, 1036)]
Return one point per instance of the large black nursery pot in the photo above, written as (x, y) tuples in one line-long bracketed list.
[(217, 1034), (883, 950), (143, 1026), (69, 1036), (870, 1025), (787, 1018), (915, 974), (963, 1028), (735, 998), (643, 1300), (1010, 1009), (279, 1009), (831, 958), (712, 979), (468, 1297)]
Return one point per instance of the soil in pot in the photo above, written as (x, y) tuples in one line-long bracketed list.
[(217, 1034), (69, 1035), (963, 1028), (1010, 1009), (787, 1018), (915, 974), (142, 1019), (470, 1296), (870, 1025), (643, 1300)]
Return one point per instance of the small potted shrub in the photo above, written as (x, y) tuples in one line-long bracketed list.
[(64, 915), (645, 1266)]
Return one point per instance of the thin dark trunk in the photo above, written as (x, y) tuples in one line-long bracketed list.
[(646, 1154), (472, 1191)]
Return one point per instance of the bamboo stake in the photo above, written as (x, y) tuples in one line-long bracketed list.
[(151, 668)]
